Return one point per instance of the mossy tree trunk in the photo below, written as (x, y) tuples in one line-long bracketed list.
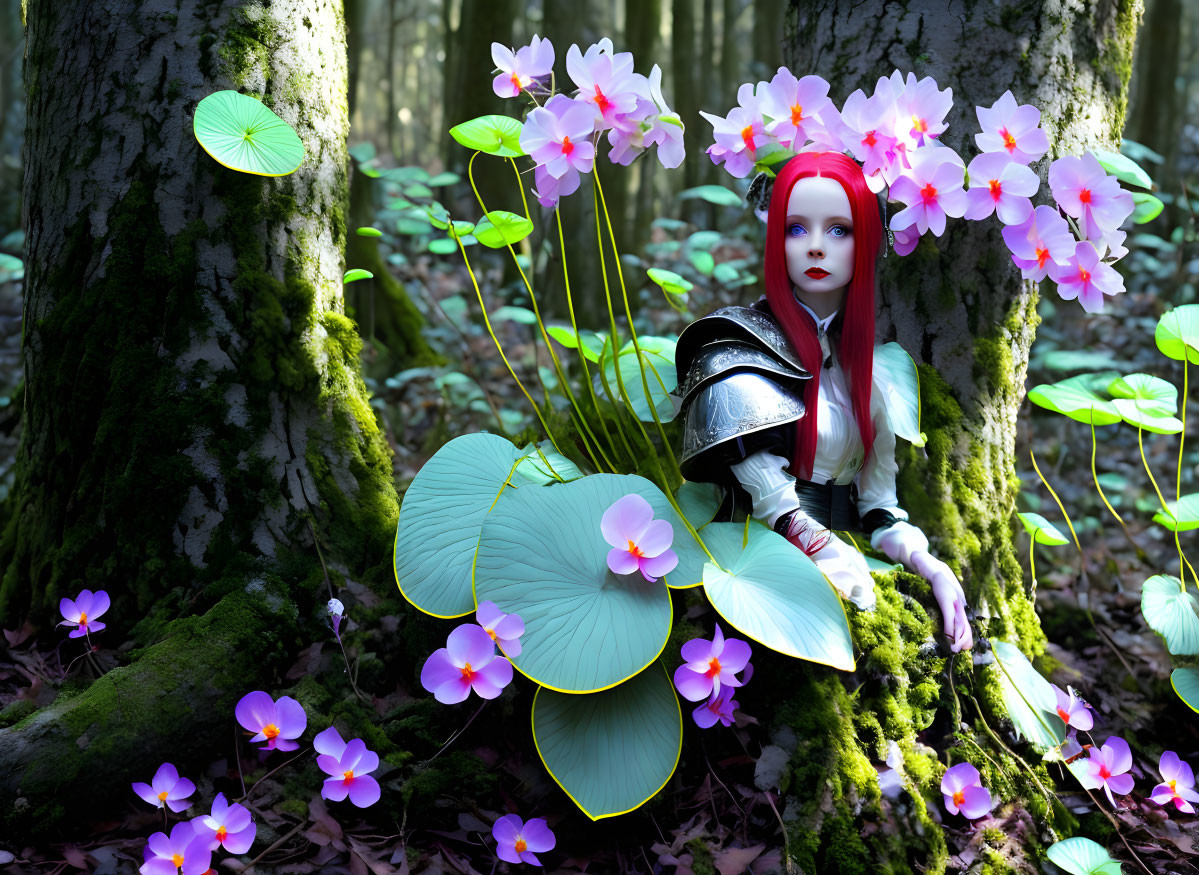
[(194, 409), (959, 306)]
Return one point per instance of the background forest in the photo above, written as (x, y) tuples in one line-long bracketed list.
[(170, 434)]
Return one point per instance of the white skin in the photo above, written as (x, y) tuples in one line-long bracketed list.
[(818, 236)]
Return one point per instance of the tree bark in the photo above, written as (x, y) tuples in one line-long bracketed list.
[(194, 409)]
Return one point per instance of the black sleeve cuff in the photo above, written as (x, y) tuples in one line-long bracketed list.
[(878, 519)]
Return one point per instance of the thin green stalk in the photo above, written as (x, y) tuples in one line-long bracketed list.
[(1182, 437), (1060, 506), (1095, 476), (1032, 561), (1162, 501)]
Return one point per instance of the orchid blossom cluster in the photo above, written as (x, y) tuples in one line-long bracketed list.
[(562, 133), (471, 658), (709, 675), (894, 134)]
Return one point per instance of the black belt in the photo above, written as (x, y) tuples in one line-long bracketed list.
[(833, 506)]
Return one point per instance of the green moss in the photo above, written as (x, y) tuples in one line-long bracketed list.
[(701, 857)]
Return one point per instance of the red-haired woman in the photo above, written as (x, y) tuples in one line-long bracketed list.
[(782, 401)]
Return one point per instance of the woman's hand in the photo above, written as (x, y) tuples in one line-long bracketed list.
[(847, 571), (949, 595)]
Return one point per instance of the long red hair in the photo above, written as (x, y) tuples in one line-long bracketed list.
[(856, 346)]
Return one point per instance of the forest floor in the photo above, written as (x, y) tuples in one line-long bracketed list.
[(712, 817)]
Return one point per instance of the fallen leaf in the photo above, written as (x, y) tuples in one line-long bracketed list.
[(734, 861)]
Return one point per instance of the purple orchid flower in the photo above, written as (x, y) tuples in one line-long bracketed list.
[(932, 190), (549, 191), (467, 662), (1085, 277), (520, 69), (720, 706), (1106, 768), (1001, 186), (639, 542), (739, 135), (921, 108), (520, 842), (83, 610), (792, 104), (710, 664), (349, 764), (228, 826), (1044, 239), (1012, 129), (906, 240), (556, 136), (606, 82), (276, 723), (1082, 188), (1178, 784), (964, 793), (505, 629), (666, 128), (166, 788), (869, 121), (184, 850), (1073, 710), (336, 611)]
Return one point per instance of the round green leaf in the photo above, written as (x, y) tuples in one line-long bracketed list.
[(776, 595), (368, 232), (542, 465), (703, 262), (1123, 168), (1029, 698), (713, 194), (1186, 683), (542, 555), (1043, 531), (357, 274), (899, 381), (1178, 331), (493, 134), (669, 281), (591, 342), (241, 133), (1173, 612), (1157, 395), (523, 315), (500, 228), (611, 751), (1146, 207), (1183, 514), (440, 519), (1134, 413), (1074, 398), (443, 178), (698, 501), (1081, 856), (657, 355), (443, 246)]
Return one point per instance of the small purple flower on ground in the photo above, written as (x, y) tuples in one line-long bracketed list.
[(276, 723), (720, 706), (467, 662), (336, 611), (1106, 768), (1073, 711), (516, 841), (182, 850), (505, 629), (83, 610), (1178, 784), (229, 826), (349, 769), (709, 664), (167, 788), (639, 542), (964, 793)]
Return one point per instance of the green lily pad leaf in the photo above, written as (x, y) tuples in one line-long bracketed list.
[(406, 175), (611, 751), (1135, 414), (523, 315), (776, 595), (493, 134), (592, 342), (241, 133), (896, 376), (1029, 698), (713, 194), (1147, 402), (1178, 331), (1043, 531), (542, 555), (500, 228), (368, 232), (1172, 612), (440, 519), (657, 355), (1123, 168), (1183, 514), (698, 501), (878, 566), (460, 228), (412, 225), (1074, 398), (362, 152), (542, 465), (1146, 207), (417, 189), (1079, 360), (443, 178), (703, 262), (669, 281), (439, 216), (1186, 683), (357, 274), (443, 246), (1081, 856)]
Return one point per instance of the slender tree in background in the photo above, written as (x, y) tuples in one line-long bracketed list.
[(193, 412)]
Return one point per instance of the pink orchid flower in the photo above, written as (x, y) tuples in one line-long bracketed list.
[(709, 664), (964, 793), (1084, 191), (276, 723), (520, 842), (556, 136), (228, 826), (639, 542), (519, 69), (932, 190), (739, 135), (349, 764), (182, 850), (792, 105), (869, 119), (906, 240), (549, 191), (1012, 129), (166, 788), (505, 629), (1106, 768), (1086, 278), (1001, 186), (467, 662), (1073, 710), (1041, 240), (666, 128), (83, 610), (1178, 784), (606, 81), (719, 707), (920, 109)]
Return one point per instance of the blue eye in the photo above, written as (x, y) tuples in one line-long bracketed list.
[(838, 231), (796, 230)]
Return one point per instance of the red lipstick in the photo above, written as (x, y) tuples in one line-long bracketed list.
[(816, 273)]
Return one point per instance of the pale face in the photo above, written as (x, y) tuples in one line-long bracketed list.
[(818, 243)]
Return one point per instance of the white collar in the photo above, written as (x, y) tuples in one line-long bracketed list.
[(821, 324)]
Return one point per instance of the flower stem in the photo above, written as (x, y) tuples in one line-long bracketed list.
[(285, 763), (454, 737), (1060, 506), (237, 759), (1161, 500)]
